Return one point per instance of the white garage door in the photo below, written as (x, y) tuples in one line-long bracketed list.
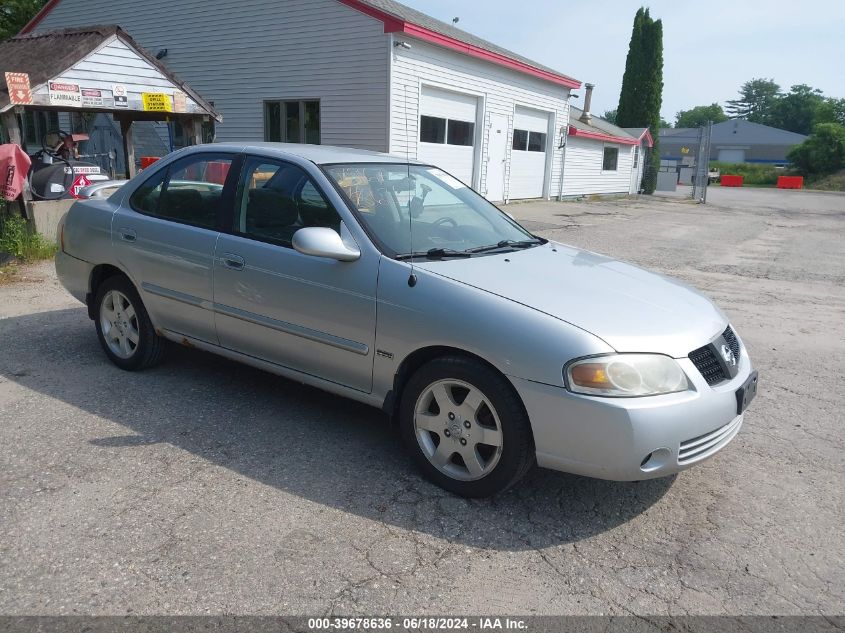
[(447, 131), (528, 156), (731, 155)]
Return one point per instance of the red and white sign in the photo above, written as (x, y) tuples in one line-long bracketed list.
[(80, 182), (92, 98), (19, 91), (65, 94)]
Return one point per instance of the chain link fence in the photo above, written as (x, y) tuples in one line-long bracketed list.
[(701, 173)]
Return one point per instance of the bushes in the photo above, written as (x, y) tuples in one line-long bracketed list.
[(752, 173), (19, 239), (822, 153)]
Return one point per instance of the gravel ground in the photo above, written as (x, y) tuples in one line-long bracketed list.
[(207, 487)]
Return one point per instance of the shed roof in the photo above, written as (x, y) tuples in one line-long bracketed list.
[(44, 56), (603, 130)]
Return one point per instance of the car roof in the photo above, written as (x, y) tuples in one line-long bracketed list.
[(319, 154)]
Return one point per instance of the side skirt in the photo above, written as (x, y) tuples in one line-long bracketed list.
[(273, 368)]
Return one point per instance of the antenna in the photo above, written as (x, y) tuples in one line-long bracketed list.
[(412, 279)]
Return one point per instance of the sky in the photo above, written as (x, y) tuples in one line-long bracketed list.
[(710, 47)]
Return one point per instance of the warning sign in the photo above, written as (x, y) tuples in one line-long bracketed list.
[(64, 95), (156, 102), (80, 182), (92, 98), (19, 90), (121, 98)]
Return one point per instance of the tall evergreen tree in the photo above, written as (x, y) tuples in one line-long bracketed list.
[(642, 87)]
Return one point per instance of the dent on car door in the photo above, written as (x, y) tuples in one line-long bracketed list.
[(165, 236), (312, 314)]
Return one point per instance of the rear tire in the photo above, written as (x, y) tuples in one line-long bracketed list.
[(124, 327), (466, 427)]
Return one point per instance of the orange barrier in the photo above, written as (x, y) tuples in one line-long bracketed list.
[(731, 181), (146, 161), (790, 182)]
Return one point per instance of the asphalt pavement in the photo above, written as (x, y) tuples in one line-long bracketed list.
[(207, 487)]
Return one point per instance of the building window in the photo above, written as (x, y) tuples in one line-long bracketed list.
[(36, 124), (526, 141), (292, 122), (449, 131), (536, 142), (611, 159), (460, 133), (636, 156), (432, 129)]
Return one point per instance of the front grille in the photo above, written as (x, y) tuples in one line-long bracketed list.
[(707, 444), (705, 360), (732, 341)]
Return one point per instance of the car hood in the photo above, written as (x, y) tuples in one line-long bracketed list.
[(629, 308)]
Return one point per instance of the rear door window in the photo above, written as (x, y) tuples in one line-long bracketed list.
[(189, 191)]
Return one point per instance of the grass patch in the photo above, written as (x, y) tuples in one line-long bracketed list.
[(19, 239), (832, 182), (752, 173)]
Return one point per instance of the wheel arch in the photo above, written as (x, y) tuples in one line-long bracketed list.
[(99, 274), (416, 359)]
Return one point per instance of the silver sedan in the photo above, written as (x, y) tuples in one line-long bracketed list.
[(395, 284)]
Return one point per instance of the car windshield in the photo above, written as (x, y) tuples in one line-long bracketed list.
[(444, 216)]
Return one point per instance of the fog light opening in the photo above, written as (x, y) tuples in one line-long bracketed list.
[(656, 460)]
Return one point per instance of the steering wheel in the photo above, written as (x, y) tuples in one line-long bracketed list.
[(446, 220), (53, 149)]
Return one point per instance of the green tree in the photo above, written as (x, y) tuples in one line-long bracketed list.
[(14, 14), (642, 86), (822, 153), (755, 100), (699, 116), (610, 116), (799, 110)]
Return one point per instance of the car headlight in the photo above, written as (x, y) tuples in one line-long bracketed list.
[(626, 375)]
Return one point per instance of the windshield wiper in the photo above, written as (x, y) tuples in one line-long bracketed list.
[(435, 253), (508, 244)]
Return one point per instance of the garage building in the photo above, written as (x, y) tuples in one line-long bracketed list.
[(372, 74), (602, 158)]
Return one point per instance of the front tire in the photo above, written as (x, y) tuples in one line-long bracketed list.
[(466, 427), (124, 327)]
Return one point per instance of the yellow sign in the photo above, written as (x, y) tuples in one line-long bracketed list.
[(684, 150), (156, 102)]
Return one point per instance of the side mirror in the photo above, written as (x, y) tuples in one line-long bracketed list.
[(323, 242)]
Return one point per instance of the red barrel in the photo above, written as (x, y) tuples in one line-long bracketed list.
[(146, 161)]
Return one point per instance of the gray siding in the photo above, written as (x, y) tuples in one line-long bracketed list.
[(239, 55)]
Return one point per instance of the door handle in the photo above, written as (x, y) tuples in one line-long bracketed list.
[(235, 262), (128, 235)]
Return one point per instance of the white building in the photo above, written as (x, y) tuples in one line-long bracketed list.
[(600, 157), (373, 74)]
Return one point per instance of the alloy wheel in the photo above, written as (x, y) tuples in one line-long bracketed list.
[(119, 324), (458, 429)]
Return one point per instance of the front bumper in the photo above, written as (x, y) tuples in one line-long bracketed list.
[(629, 439)]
